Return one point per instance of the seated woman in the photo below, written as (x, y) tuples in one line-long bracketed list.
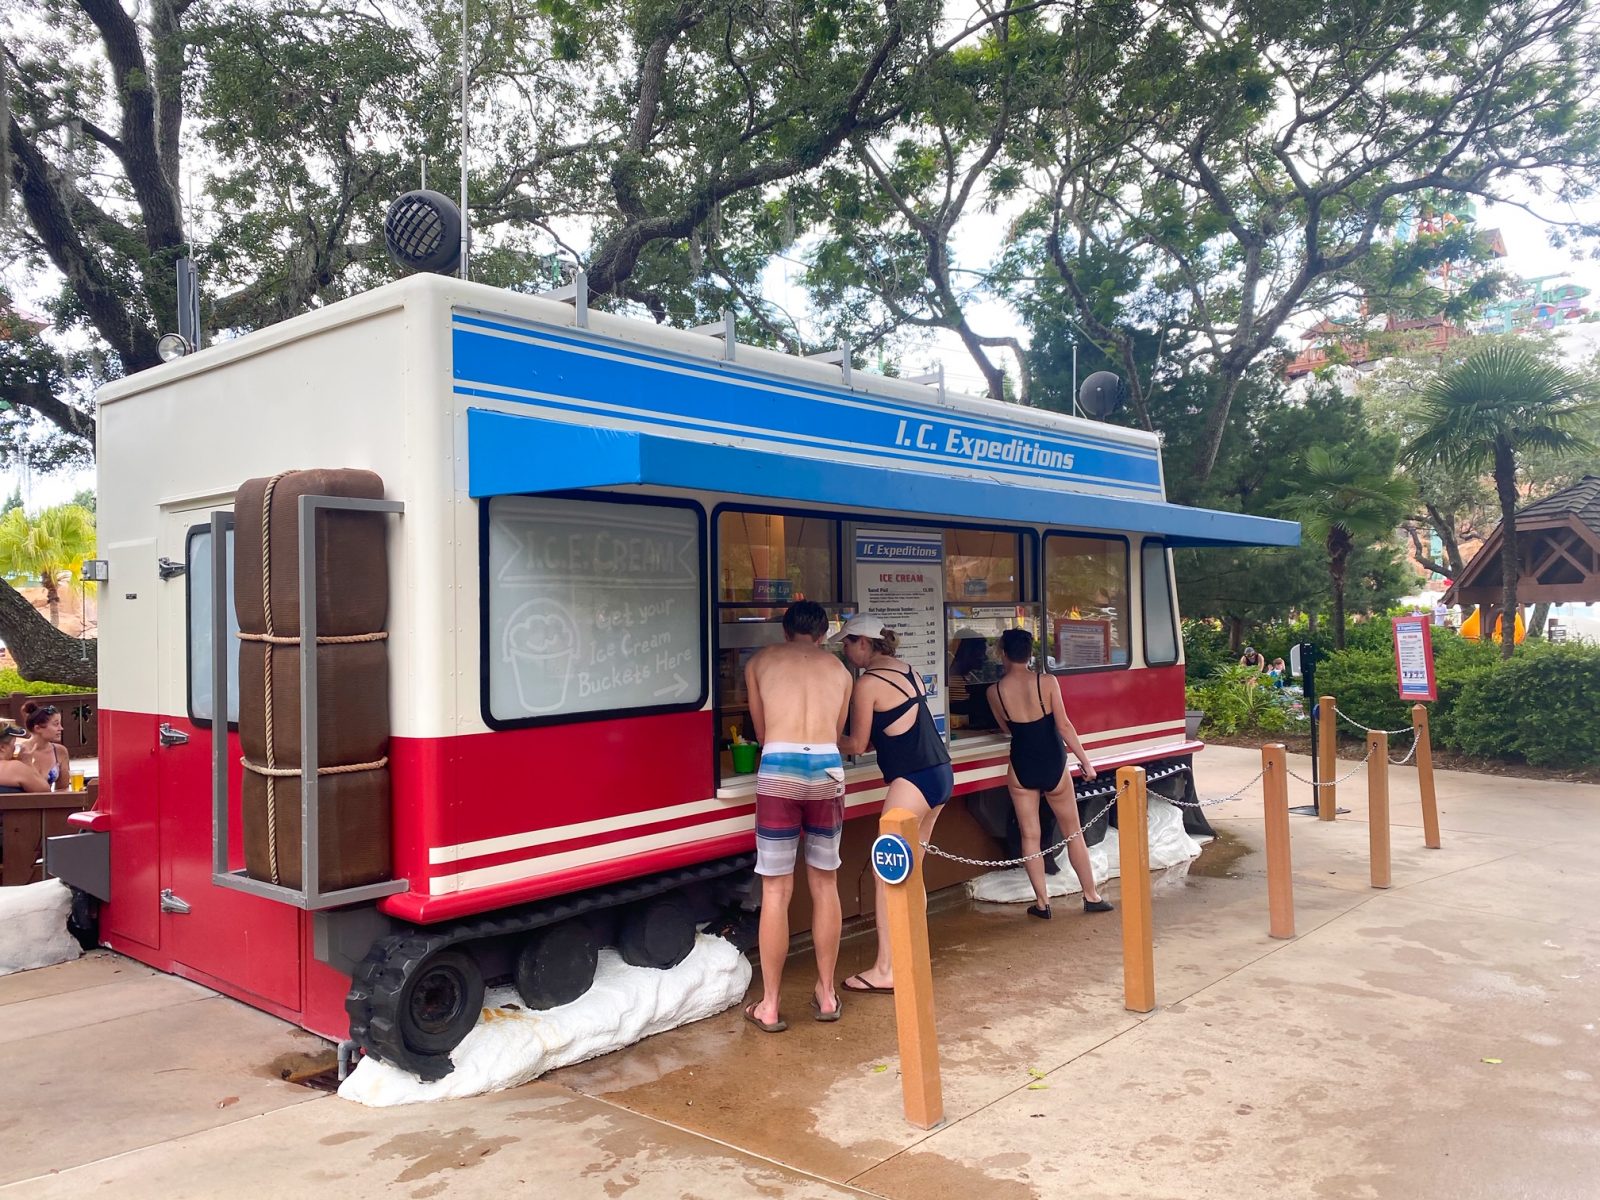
[(15, 774), (41, 749), (1027, 704), (889, 711)]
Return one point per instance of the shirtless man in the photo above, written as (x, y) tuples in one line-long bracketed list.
[(799, 700)]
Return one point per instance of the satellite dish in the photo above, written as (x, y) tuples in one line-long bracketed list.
[(423, 232), (1101, 394)]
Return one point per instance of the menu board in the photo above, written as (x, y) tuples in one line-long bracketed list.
[(593, 606), (900, 579), (1082, 643), (1413, 658)]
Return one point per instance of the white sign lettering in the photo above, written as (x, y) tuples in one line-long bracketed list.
[(592, 606)]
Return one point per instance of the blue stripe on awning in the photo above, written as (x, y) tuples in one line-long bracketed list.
[(509, 455)]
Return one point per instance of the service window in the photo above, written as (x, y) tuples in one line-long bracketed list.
[(591, 606), (1160, 617), (1086, 601), (198, 576), (987, 591), (765, 562)]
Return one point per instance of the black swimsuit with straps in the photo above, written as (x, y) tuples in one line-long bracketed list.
[(907, 752), (1038, 754)]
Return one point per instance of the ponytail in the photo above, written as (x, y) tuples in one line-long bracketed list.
[(887, 642)]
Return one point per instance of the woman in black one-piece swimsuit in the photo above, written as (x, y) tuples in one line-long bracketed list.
[(1039, 765)]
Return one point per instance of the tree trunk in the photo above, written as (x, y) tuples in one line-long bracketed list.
[(41, 650), (1338, 560), (52, 595), (1541, 614), (1505, 485), (1216, 425), (1311, 623)]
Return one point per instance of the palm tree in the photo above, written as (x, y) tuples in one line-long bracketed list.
[(49, 546), (1488, 411), (1345, 501)]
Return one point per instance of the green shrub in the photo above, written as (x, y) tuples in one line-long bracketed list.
[(1205, 650), (1363, 684), (1543, 705), (1233, 706), (11, 681)]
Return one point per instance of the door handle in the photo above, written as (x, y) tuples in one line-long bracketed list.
[(173, 904), (172, 737)]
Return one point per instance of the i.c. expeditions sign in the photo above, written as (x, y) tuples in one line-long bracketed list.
[(571, 377)]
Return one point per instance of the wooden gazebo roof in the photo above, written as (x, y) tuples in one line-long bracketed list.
[(1558, 544)]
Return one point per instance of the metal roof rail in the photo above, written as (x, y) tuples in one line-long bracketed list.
[(840, 355), (723, 329), (577, 294)]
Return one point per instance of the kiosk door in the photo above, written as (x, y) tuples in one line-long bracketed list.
[(216, 933)]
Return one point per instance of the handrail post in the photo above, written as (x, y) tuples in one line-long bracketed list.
[(1133, 841), (1280, 883), (221, 606), (1327, 798), (1430, 799), (1378, 805)]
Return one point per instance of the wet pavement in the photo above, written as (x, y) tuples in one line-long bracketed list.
[(1351, 1061)]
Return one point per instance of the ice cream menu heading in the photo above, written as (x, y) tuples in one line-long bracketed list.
[(900, 579), (592, 606)]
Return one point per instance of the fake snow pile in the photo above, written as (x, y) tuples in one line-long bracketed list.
[(1170, 846), (510, 1046), (33, 926)]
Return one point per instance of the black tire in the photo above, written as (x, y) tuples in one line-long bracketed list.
[(83, 919), (657, 933), (555, 965), (441, 1003)]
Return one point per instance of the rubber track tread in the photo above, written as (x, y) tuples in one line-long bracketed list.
[(373, 1001)]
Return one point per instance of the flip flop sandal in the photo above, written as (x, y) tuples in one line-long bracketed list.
[(866, 988), (777, 1026), (838, 1008)]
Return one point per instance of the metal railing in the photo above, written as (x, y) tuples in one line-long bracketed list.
[(309, 895)]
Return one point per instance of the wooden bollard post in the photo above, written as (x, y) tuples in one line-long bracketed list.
[(1327, 798), (1378, 805), (897, 860), (1430, 801), (1133, 842), (1280, 884)]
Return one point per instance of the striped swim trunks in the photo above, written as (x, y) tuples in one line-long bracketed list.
[(800, 788)]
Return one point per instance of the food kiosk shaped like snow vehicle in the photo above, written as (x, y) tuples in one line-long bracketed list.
[(479, 574)]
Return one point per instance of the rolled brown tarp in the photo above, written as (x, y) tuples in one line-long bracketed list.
[(352, 679)]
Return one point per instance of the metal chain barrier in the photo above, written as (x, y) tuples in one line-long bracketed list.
[(1114, 792), (1369, 729), (1218, 799), (1334, 782), (1410, 754)]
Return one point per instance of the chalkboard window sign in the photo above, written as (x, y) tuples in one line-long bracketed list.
[(592, 606)]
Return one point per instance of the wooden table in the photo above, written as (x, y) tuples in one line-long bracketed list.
[(26, 819)]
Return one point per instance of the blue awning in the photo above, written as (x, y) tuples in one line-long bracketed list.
[(510, 455)]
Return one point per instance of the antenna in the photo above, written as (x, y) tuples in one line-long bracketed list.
[(466, 237)]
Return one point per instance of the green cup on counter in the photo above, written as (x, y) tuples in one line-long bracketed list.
[(744, 757)]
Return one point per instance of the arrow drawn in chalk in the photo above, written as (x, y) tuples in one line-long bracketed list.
[(678, 687)]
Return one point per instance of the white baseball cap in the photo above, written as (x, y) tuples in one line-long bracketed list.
[(861, 625)]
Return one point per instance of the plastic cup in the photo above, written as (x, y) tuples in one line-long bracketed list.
[(744, 757), (77, 779)]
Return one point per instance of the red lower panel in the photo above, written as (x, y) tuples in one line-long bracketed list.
[(1099, 700)]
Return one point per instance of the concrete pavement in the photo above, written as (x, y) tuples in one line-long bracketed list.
[(1348, 1062)]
